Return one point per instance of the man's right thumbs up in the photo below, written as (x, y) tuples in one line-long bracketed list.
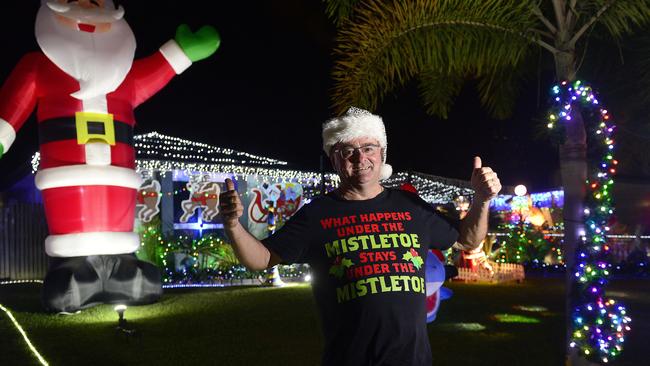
[(230, 206)]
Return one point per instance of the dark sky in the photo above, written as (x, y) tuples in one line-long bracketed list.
[(266, 91)]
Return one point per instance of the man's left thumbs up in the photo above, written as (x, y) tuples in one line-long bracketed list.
[(484, 181)]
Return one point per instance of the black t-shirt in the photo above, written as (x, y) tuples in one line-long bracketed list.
[(367, 259)]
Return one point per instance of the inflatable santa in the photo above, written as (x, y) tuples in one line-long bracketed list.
[(85, 86)]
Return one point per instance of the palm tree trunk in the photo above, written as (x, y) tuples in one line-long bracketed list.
[(573, 168)]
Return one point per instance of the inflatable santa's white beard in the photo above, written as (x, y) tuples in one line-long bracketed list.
[(107, 56)]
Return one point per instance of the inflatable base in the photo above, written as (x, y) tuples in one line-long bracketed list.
[(77, 283)]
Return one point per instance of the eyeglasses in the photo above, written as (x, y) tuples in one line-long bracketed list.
[(367, 150)]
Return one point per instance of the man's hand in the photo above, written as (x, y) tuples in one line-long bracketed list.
[(199, 45), (485, 182), (230, 206)]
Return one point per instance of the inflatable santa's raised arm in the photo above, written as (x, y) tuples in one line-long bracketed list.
[(85, 86)]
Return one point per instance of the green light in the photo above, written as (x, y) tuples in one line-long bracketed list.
[(533, 309), (462, 327), (514, 318)]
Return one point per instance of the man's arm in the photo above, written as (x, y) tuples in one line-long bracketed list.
[(473, 228), (250, 251), (18, 98)]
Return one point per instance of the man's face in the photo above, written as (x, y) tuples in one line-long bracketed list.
[(83, 25), (362, 166)]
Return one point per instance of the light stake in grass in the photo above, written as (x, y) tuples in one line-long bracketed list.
[(121, 322), (120, 309)]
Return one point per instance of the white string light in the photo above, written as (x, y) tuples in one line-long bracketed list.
[(12, 282), (24, 334), (161, 147), (192, 285), (431, 188), (613, 236)]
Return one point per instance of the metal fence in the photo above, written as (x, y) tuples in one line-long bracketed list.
[(22, 232)]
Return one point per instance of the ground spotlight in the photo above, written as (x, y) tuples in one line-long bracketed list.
[(120, 309), (122, 327)]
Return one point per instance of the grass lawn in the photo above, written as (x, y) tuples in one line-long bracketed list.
[(515, 324)]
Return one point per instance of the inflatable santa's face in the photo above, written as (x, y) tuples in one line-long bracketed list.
[(92, 31), (93, 16)]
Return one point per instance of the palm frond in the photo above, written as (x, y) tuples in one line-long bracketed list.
[(618, 17), (340, 10), (438, 90), (499, 90), (388, 44)]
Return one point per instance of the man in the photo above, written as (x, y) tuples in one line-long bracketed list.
[(366, 245), (86, 85)]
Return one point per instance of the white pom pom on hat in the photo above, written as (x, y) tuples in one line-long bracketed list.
[(357, 123)]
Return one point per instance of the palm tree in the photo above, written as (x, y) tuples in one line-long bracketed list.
[(382, 45)]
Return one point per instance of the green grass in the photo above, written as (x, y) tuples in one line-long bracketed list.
[(512, 336), (266, 326)]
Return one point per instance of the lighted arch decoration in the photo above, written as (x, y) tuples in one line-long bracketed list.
[(599, 323)]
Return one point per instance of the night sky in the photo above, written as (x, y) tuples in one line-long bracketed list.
[(266, 91)]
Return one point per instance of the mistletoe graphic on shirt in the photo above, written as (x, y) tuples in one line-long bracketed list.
[(414, 257), (339, 266)]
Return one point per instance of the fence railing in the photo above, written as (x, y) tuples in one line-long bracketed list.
[(22, 232), (502, 272)]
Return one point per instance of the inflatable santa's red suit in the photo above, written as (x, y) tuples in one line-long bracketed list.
[(85, 86)]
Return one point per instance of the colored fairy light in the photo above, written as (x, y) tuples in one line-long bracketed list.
[(599, 325)]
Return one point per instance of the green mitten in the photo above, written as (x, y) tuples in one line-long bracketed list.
[(2, 150), (199, 45)]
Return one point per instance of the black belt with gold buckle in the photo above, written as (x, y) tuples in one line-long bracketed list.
[(65, 128)]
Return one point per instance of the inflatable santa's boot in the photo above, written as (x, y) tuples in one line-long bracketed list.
[(80, 282)]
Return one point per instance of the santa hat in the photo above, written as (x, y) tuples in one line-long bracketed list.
[(107, 4), (357, 123)]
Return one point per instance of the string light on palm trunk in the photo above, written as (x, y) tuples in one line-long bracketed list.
[(599, 323)]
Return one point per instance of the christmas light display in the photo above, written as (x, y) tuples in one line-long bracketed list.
[(156, 146), (551, 199), (431, 188), (524, 243), (599, 323), (207, 261), (158, 152), (161, 153)]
